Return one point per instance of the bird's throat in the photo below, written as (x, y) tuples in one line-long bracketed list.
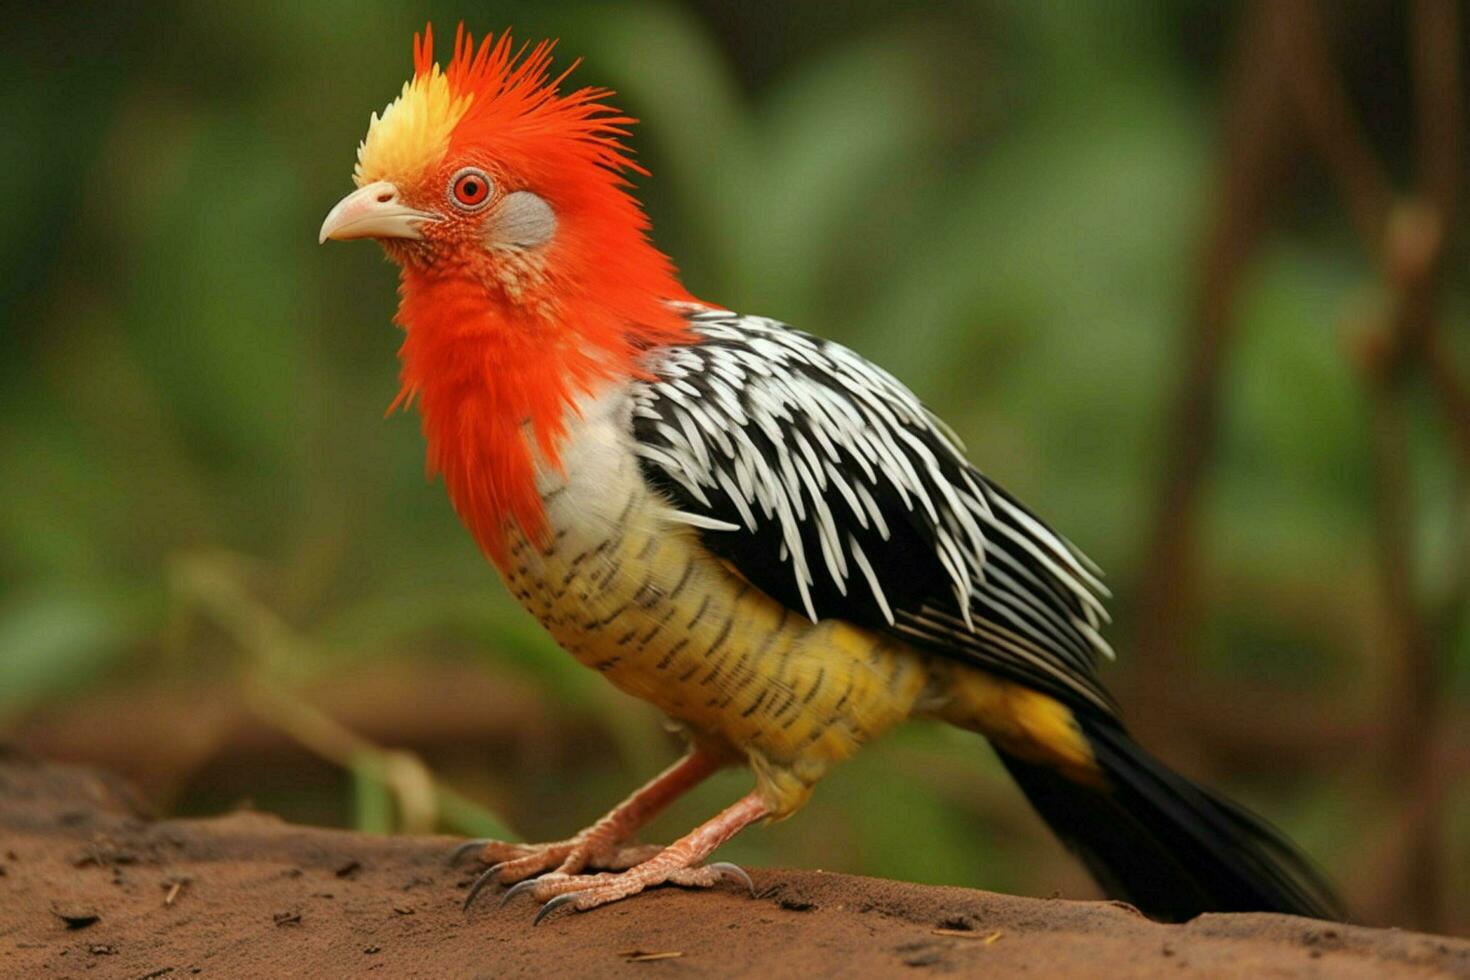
[(494, 383)]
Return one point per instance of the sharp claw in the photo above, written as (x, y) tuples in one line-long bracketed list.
[(484, 878), (553, 905), (520, 889), (467, 847), (728, 870)]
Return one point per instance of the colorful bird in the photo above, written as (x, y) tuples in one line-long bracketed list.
[(756, 530)]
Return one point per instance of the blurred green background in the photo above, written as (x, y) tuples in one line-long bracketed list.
[(222, 571)]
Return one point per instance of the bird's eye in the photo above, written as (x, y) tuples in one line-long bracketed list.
[(469, 189)]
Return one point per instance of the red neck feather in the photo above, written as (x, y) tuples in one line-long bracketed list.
[(495, 378), (500, 343)]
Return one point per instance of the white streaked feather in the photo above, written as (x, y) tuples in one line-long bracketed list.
[(836, 479), (861, 560), (738, 498), (874, 511), (1043, 534), (696, 520), (839, 426)]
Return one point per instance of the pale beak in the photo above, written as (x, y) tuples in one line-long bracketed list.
[(373, 211)]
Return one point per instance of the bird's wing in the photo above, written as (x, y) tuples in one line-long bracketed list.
[(827, 484)]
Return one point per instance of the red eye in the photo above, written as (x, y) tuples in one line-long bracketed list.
[(469, 188)]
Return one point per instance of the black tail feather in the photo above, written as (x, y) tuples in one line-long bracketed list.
[(1167, 845)]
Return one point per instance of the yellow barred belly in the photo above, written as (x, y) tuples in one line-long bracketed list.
[(666, 622)]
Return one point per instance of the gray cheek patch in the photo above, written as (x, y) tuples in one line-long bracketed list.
[(521, 220)]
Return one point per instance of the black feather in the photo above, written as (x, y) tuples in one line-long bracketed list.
[(1171, 847)]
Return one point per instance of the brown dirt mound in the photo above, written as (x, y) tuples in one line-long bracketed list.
[(90, 887)]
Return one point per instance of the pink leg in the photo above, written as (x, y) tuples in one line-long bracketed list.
[(678, 864), (598, 845)]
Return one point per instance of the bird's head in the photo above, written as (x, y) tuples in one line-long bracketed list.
[(485, 166), (526, 271), (484, 170)]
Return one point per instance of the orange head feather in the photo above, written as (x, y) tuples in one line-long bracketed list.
[(527, 277)]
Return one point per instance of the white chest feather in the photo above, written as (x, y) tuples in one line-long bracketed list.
[(589, 495)]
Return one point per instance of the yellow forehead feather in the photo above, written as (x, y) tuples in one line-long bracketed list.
[(408, 141)]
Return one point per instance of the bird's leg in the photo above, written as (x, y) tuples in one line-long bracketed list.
[(678, 864), (599, 845)]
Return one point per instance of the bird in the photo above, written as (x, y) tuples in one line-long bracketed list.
[(761, 533)]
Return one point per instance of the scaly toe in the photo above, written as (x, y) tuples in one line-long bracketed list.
[(494, 851), (709, 875), (553, 884), (581, 898), (518, 862), (567, 898), (583, 892), (515, 890), (529, 865)]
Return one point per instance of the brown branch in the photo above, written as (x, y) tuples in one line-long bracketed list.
[(1259, 146), (1270, 732), (1439, 109), (163, 736), (1439, 87), (1394, 535), (1407, 241), (1327, 116), (1417, 234), (1439, 102), (1453, 394)]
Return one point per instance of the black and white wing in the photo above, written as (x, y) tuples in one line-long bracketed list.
[(826, 483)]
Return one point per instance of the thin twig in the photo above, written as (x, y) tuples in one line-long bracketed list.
[(1436, 36), (209, 585), (1435, 29), (1415, 709), (1326, 114), (1453, 394)]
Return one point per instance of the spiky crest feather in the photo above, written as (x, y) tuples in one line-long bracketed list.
[(494, 366)]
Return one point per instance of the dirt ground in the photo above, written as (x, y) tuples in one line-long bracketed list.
[(90, 887)]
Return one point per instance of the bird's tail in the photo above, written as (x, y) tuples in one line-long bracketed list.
[(1170, 847)]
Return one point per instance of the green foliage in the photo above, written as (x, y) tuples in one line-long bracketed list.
[(54, 642), (373, 802)]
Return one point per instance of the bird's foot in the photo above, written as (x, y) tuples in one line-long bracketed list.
[(510, 863), (583, 892), (681, 863)]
